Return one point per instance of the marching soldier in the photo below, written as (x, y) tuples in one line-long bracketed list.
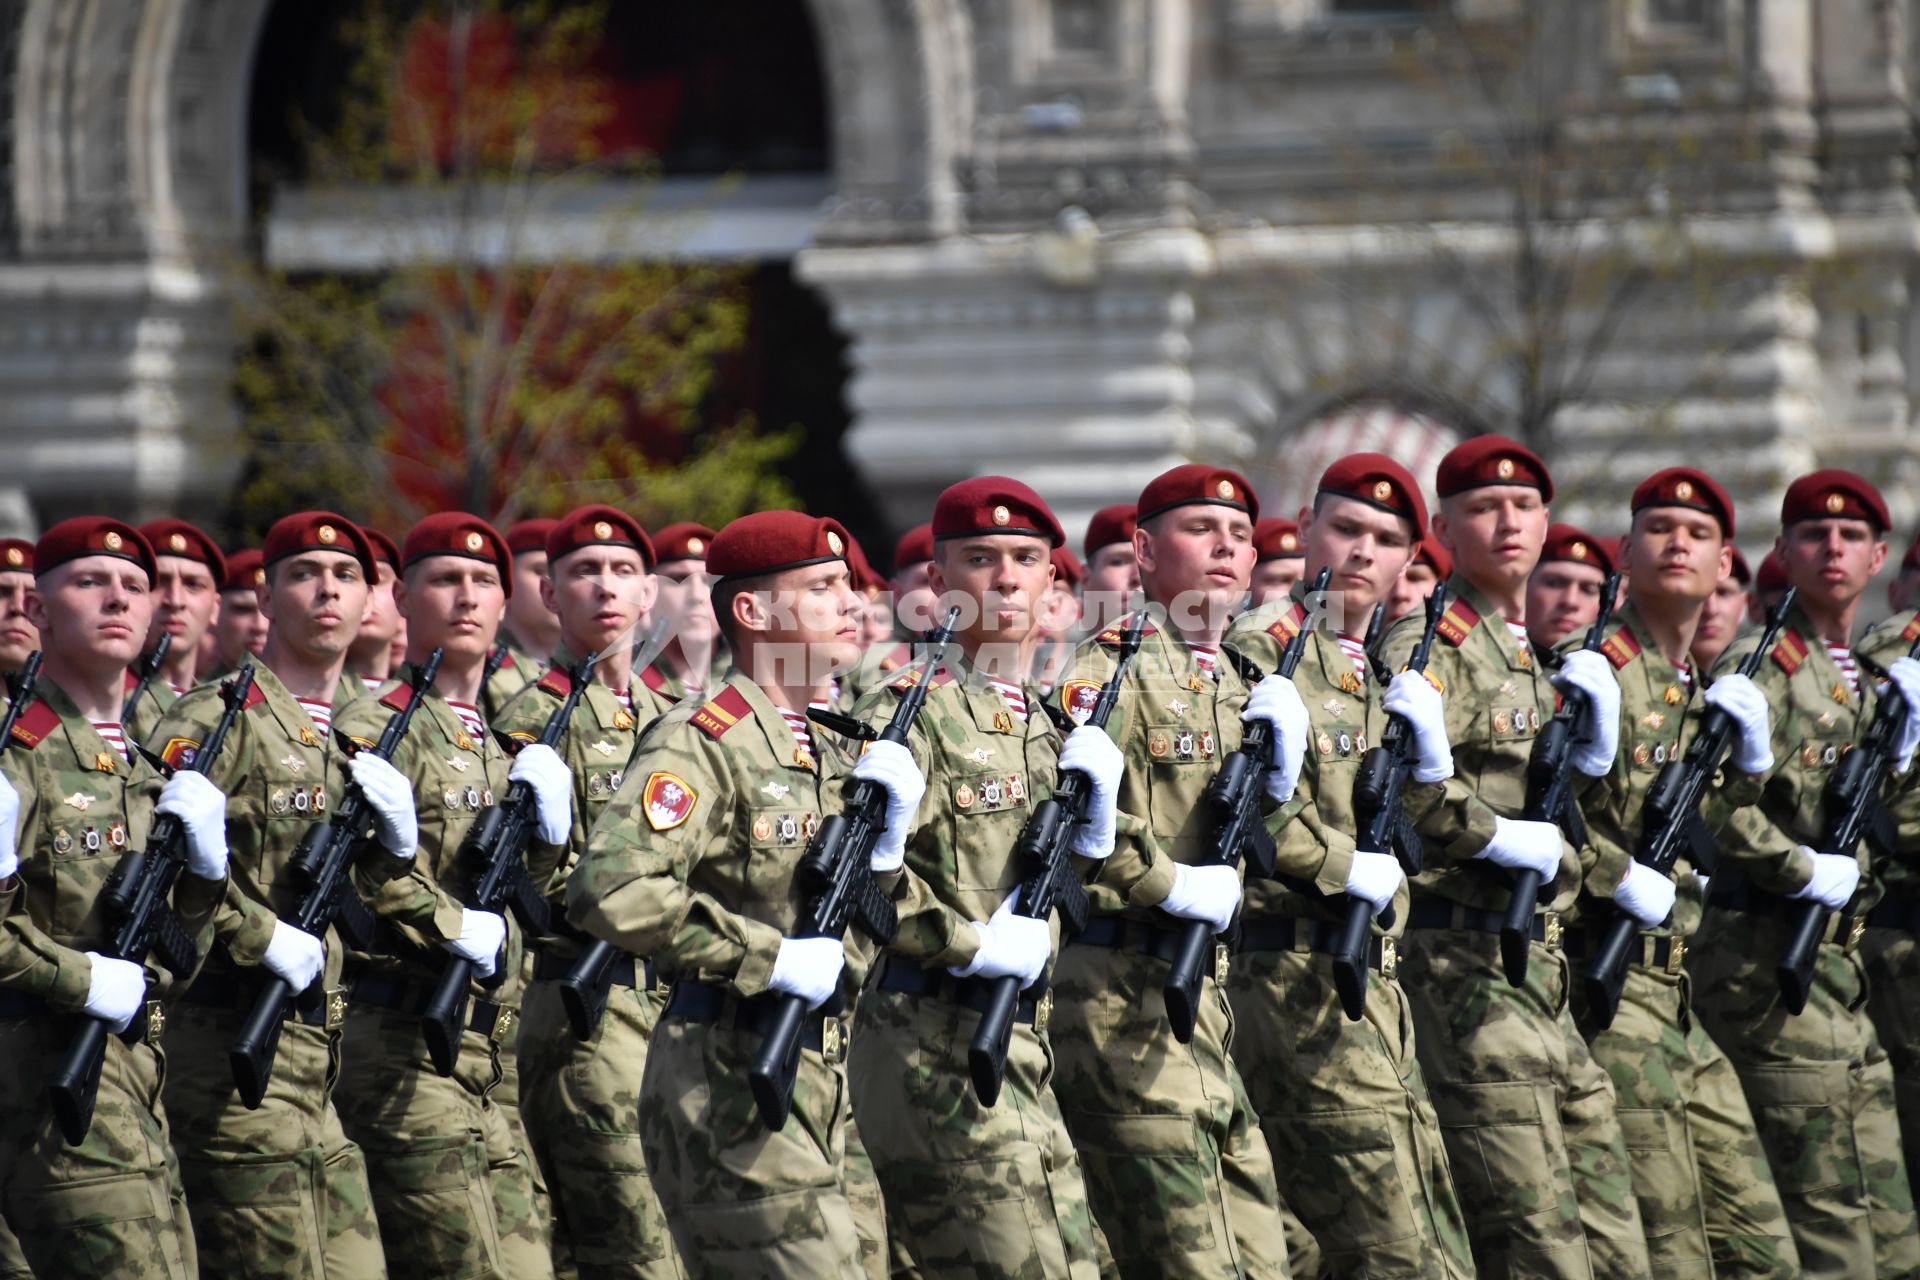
[(1279, 557), (1769, 581), (690, 657), (912, 599), (1563, 591), (370, 658), (452, 1184), (693, 864), (113, 1205), (240, 628), (1819, 1082), (1699, 1172), (1053, 640), (280, 1189), (1176, 1166), (1356, 1142), (1538, 1158), (577, 1098), (1903, 592), (529, 629), (1722, 617), (944, 1161), (186, 596), (1112, 576), (18, 638), (1431, 565)]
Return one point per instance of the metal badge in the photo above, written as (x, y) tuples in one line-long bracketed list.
[(1554, 928), (62, 842), (473, 799), (802, 759), (1016, 789), (1003, 721), (614, 780), (117, 836), (452, 797), (596, 785), (1333, 707), (459, 764), (1349, 682), (1206, 744), (1653, 719), (80, 800), (486, 797), (156, 1022), (1533, 719), (1345, 744), (1389, 959), (963, 796), (1508, 688), (809, 823), (1830, 754), (1676, 958), (1157, 743), (300, 800), (1660, 753), (979, 755), (1501, 722), (1673, 695), (622, 719), (990, 791), (103, 762), (91, 840), (277, 802), (1856, 931), (319, 799), (462, 741), (1360, 743), (1043, 1011), (336, 1008), (1221, 958), (1183, 744), (833, 1041), (1840, 693), (1323, 743), (293, 763), (308, 738), (763, 828), (789, 830), (604, 747), (1642, 753), (1177, 707)]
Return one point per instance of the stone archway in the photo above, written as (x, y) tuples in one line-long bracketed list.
[(1289, 468)]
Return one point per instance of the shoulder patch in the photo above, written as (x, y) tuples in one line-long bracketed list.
[(556, 682), (179, 752), (1620, 648), (365, 744), (721, 714), (667, 801), (34, 724), (397, 697), (911, 677), (1289, 624), (1790, 652), (1077, 698), (1459, 619), (1912, 632), (1112, 636), (522, 737)]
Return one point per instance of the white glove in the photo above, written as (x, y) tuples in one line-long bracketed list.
[(1524, 846), (115, 990), (9, 829), (202, 810), (541, 768), (1276, 701), (1412, 697), (1705, 881), (295, 955), (1374, 877), (1209, 894), (482, 933), (1597, 735), (1644, 894), (1834, 879), (1090, 751), (1011, 946), (808, 968), (391, 797), (1742, 700), (1904, 675), (891, 765)]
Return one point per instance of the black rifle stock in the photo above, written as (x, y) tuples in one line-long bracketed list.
[(1854, 813), (1046, 845), (1677, 828), (136, 896), (498, 842), (145, 668), (324, 863), (836, 869), (1239, 830), (1550, 799), (20, 690)]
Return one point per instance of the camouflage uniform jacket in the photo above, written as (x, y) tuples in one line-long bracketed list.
[(1496, 697), (281, 776), (1876, 651), (656, 690), (876, 666), (82, 808), (349, 690), (693, 863), (1173, 725), (454, 777), (985, 770), (516, 672), (154, 703)]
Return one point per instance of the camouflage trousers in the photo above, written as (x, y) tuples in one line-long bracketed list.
[(970, 1190), (581, 1104), (1177, 1169), (452, 1188), (881, 1253), (1822, 1093), (112, 1206), (279, 1191), (13, 1263), (1892, 957), (1707, 1198), (1355, 1139), (1537, 1155), (744, 1201)]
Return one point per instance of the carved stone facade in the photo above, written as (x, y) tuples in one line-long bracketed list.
[(1079, 239)]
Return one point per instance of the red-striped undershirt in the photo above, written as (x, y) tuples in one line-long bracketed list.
[(1519, 632), (1685, 670), (1842, 656), (321, 713), (179, 690), (801, 726), (373, 685), (1356, 649), (111, 733), (1204, 657), (1014, 696), (469, 718), (625, 696)]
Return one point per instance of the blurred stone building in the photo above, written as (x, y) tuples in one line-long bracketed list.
[(1078, 239)]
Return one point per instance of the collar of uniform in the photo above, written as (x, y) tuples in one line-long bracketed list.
[(1820, 665), (284, 708), (85, 742), (1178, 660), (347, 690), (1492, 625), (601, 702), (774, 731)]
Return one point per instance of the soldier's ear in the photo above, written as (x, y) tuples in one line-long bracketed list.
[(1441, 530), (1726, 558), (36, 610), (1143, 558), (546, 593)]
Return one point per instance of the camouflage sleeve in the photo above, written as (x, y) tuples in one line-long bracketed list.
[(1752, 841), (631, 887), (1307, 846), (31, 961), (1140, 869), (402, 891), (1452, 818)]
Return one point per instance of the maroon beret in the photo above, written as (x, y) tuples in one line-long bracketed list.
[(16, 555), (772, 541), (915, 547), (384, 547), (526, 536), (1772, 575), (455, 533), (1438, 558), (1834, 494), (1378, 481), (596, 525), (170, 537), (1277, 539), (316, 531), (682, 541), (246, 569), (1576, 546), (1067, 570), (866, 580), (1196, 484), (1108, 526), (1741, 574), (991, 505), (1685, 487), (91, 536), (1490, 460)]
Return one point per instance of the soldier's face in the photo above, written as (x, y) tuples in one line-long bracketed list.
[(876, 618), (1113, 576), (451, 603), (1562, 597), (315, 602), (599, 593), (912, 597), (93, 612), (1196, 560), (1411, 592), (18, 638), (381, 620), (1366, 548), (1677, 552), (809, 619), (1903, 592), (685, 602), (186, 600), (243, 626), (1272, 579), (1719, 621), (1495, 533), (998, 582), (527, 609), (1830, 560)]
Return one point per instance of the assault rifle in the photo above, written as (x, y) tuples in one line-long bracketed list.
[(145, 668)]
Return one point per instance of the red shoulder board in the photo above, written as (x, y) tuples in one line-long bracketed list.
[(130, 681), (911, 677), (397, 697), (1912, 632), (1790, 652), (34, 724), (556, 682), (650, 676), (1112, 636), (1620, 648), (721, 714), (1289, 625), (897, 657), (255, 698), (1457, 621)]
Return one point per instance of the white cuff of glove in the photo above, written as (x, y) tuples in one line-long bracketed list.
[(115, 990), (1645, 894), (1011, 946), (294, 955), (1835, 878), (1903, 673), (1277, 701), (390, 796), (1208, 894), (482, 934), (540, 767), (1519, 845), (201, 808), (1412, 697), (1746, 706), (808, 968), (1374, 878), (1091, 753)]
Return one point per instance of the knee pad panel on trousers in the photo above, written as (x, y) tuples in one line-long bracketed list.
[(255, 1216), (1801, 1112), (1344, 1175), (432, 1197), (121, 1225), (982, 1217), (1155, 1165), (1503, 1163)]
